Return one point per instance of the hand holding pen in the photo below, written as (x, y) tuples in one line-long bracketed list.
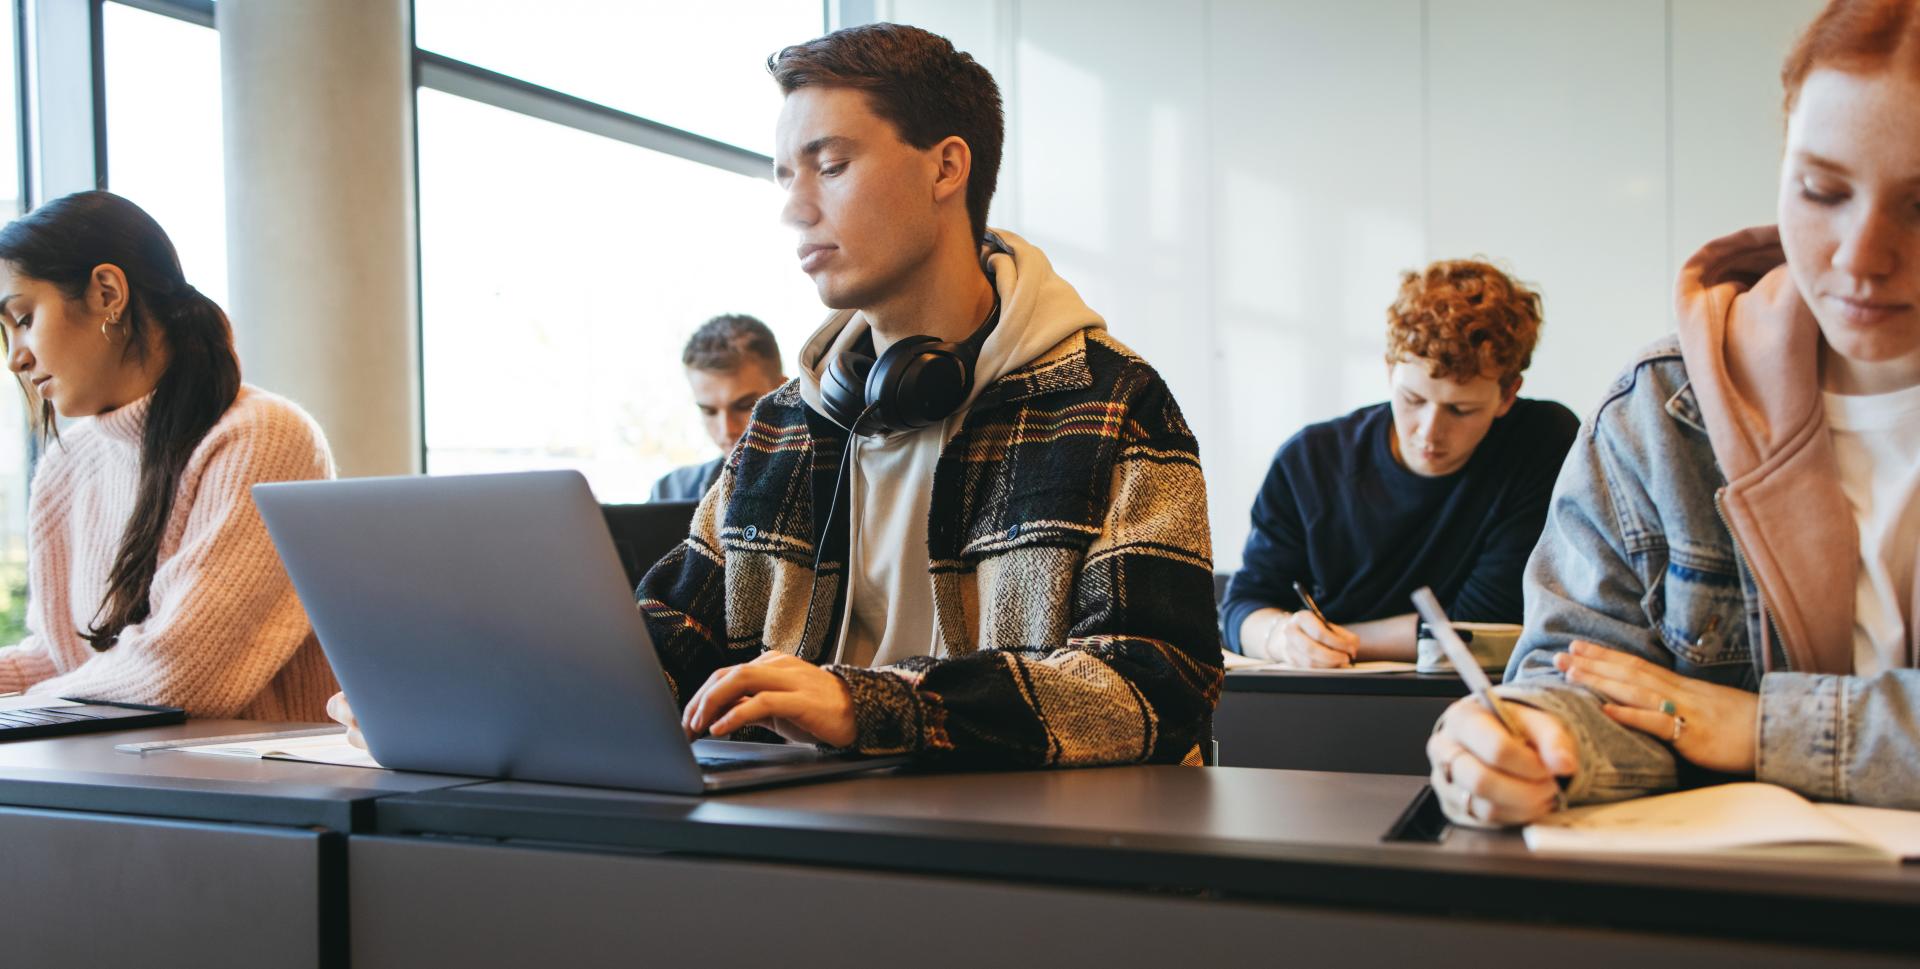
[(1493, 763), (1307, 639)]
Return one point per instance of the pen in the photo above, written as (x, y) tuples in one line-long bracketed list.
[(1462, 658), (1301, 591)]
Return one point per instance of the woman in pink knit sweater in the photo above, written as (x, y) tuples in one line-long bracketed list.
[(152, 579)]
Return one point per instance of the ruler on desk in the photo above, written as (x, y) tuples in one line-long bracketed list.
[(236, 738)]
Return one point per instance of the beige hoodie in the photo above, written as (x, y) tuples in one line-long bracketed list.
[(889, 608), (1752, 349)]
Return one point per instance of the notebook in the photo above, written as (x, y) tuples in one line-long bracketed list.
[(1234, 662), (329, 748), (1747, 820)]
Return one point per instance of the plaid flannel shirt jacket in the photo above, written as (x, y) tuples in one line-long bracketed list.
[(1070, 558)]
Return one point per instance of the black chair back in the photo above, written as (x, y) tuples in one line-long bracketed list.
[(642, 534)]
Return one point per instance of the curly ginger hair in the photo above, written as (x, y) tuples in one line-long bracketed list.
[(1465, 319)]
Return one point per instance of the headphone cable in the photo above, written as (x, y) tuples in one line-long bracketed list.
[(826, 533)]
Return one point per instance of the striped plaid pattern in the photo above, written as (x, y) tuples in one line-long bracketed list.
[(1071, 569)]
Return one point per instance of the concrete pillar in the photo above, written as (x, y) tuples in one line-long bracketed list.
[(320, 217)]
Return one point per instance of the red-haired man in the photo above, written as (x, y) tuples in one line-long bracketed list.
[(1444, 485)]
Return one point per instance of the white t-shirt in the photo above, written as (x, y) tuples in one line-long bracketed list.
[(889, 606), (1877, 441)]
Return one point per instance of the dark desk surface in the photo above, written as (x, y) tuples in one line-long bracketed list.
[(85, 773), (1282, 835), (1351, 684)]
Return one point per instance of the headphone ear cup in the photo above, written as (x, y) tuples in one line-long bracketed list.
[(844, 390), (918, 381)]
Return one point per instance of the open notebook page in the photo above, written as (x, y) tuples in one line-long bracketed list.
[(1742, 819), (322, 749), (1235, 661)]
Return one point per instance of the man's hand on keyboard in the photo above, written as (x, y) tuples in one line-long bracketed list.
[(792, 697)]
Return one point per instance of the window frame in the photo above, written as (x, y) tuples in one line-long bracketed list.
[(60, 170), (438, 72)]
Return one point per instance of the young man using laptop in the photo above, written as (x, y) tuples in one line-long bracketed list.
[(1008, 562), (731, 362), (1444, 485)]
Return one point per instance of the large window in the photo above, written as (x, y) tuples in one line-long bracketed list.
[(594, 188), (163, 133), (699, 67), (14, 448), (561, 270)]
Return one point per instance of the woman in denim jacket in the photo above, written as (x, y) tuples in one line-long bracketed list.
[(1729, 580)]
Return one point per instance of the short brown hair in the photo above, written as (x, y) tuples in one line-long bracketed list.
[(728, 341), (1856, 36), (1466, 319), (918, 82)]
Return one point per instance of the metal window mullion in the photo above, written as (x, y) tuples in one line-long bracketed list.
[(60, 99), (442, 73), (192, 11)]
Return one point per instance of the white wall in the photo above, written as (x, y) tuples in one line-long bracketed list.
[(1236, 184)]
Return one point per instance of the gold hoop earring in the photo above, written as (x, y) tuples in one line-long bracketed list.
[(113, 319)]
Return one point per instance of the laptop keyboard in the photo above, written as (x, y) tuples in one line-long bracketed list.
[(41, 717)]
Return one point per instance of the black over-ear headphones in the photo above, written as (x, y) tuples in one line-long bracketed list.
[(919, 380)]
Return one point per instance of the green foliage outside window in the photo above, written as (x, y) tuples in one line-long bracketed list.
[(13, 602)]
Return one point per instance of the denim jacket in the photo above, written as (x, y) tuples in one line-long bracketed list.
[(1636, 555)]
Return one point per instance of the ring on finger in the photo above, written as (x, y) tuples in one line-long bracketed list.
[(1667, 707), (1679, 724)]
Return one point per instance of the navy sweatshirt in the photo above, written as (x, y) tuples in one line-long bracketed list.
[(1361, 532)]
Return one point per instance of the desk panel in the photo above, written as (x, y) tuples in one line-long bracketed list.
[(86, 773), (1262, 836), (102, 890), (417, 902), (1378, 733)]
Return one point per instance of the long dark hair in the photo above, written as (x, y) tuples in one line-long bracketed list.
[(62, 242)]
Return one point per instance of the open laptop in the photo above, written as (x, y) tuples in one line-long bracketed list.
[(482, 625)]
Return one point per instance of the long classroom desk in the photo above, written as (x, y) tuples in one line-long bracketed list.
[(172, 859), (1306, 720), (1118, 867)]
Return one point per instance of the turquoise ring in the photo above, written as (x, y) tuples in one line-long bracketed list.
[(1667, 707)]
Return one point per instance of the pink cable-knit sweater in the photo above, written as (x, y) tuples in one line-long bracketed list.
[(226, 636)]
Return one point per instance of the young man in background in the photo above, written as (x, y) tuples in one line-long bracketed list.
[(731, 362), (1444, 485)]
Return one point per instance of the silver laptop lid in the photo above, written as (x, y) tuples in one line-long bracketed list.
[(482, 625)]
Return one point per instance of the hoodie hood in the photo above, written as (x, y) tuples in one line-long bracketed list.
[(1752, 349), (1038, 309)]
